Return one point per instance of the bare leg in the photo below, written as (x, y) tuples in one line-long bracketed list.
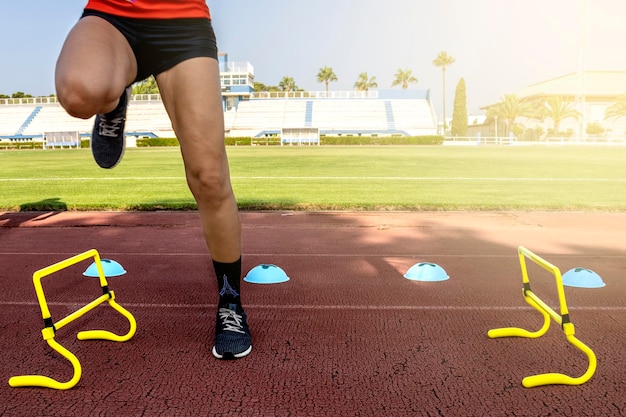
[(96, 63), (191, 94)]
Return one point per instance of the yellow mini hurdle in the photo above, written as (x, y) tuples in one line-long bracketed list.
[(562, 319), (51, 327)]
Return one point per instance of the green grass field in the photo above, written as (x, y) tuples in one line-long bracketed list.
[(329, 178)]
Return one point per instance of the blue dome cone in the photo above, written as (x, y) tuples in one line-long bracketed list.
[(582, 278), (109, 266), (266, 274), (426, 271)]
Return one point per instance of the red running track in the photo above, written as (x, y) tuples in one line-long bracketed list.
[(346, 336)]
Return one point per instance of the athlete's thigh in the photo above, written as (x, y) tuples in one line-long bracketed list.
[(95, 57), (191, 94)]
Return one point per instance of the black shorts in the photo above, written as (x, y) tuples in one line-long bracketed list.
[(160, 44)]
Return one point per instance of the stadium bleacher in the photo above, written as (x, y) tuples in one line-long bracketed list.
[(145, 117), (333, 116), (12, 117), (53, 118), (255, 117)]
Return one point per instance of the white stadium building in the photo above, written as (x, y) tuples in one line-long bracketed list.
[(246, 113)]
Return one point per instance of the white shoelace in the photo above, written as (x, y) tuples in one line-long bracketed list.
[(109, 127), (231, 320)]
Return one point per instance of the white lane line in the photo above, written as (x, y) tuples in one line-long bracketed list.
[(314, 307), (323, 255), (326, 178)]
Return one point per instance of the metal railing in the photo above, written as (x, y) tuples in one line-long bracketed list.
[(314, 94)]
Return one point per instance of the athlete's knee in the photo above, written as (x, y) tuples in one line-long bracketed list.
[(211, 187), (81, 98)]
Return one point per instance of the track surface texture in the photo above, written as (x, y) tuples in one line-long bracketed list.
[(347, 335)]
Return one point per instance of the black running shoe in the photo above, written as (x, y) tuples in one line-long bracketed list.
[(232, 336), (107, 139)]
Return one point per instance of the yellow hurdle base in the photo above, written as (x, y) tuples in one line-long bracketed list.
[(562, 318), (51, 327)]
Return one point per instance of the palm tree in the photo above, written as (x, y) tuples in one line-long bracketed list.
[(404, 78), (559, 108), (287, 84), (509, 108), (617, 109), (364, 83), (325, 76), (443, 60)]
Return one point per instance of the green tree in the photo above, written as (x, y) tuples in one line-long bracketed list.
[(20, 94), (364, 83), (509, 108), (559, 108), (617, 109), (147, 86), (287, 84), (260, 87), (326, 75), (459, 112), (404, 78), (442, 61)]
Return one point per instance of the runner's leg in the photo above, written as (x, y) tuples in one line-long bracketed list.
[(191, 94)]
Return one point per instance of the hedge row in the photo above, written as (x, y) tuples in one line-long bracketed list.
[(149, 142), (382, 140), (324, 140), (27, 144), (265, 141)]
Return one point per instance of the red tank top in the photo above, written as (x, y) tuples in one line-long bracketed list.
[(152, 9)]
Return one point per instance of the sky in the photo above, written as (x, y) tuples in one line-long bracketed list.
[(499, 46)]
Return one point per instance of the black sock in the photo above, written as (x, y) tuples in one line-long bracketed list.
[(228, 281)]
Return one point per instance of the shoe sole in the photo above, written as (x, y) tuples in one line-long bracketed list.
[(230, 356), (104, 165)]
